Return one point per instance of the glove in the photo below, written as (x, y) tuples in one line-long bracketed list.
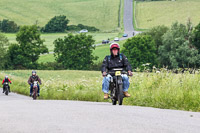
[(104, 74), (130, 73)]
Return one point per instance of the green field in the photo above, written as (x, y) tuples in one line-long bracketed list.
[(103, 14), (50, 38), (150, 14), (161, 90), (100, 51)]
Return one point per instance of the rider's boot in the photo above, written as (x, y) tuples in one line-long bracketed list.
[(30, 94), (126, 94), (106, 95), (38, 94), (3, 90), (9, 89)]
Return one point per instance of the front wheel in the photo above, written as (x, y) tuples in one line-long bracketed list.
[(114, 102), (120, 95), (6, 92), (34, 93)]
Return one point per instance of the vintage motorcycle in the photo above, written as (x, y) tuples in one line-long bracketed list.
[(6, 88), (35, 89), (116, 86)]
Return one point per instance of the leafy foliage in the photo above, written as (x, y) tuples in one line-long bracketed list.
[(156, 33), (196, 38), (56, 24), (177, 49), (80, 27), (140, 50), (75, 51), (4, 43), (30, 47), (8, 26)]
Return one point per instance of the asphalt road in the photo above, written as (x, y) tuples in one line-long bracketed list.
[(128, 21), (128, 17), (20, 114)]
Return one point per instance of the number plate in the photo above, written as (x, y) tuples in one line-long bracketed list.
[(117, 73)]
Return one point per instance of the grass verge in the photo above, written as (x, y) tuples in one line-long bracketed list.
[(161, 90)]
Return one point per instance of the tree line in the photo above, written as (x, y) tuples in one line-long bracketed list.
[(171, 48), (72, 52), (55, 24)]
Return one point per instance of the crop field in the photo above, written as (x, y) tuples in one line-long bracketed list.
[(154, 13), (103, 14), (161, 90)]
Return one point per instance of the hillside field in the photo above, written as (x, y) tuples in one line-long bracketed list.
[(154, 13), (103, 14)]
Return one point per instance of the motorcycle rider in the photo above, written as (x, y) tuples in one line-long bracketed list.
[(115, 60), (6, 80), (31, 80)]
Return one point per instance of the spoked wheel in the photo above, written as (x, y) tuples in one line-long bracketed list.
[(120, 95)]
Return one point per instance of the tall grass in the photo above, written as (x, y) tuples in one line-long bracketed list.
[(161, 90)]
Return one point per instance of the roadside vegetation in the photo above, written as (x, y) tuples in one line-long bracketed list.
[(161, 90)]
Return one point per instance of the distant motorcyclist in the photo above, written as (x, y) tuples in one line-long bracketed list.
[(115, 60), (31, 80), (6, 80)]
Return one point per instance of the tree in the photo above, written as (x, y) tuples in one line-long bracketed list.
[(16, 58), (75, 51), (4, 43), (140, 50), (30, 47), (8, 26), (177, 50), (56, 24), (157, 33), (196, 38)]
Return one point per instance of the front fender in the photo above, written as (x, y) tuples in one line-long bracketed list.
[(119, 80)]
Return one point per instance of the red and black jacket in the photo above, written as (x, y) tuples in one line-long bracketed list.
[(6, 80)]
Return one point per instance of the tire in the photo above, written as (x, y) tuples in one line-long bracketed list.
[(6, 92), (114, 102), (120, 95), (34, 94)]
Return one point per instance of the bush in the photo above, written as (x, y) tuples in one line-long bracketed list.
[(8, 26), (140, 50), (50, 66), (177, 50), (4, 43), (157, 33), (26, 53), (75, 51), (80, 27), (56, 24), (196, 38)]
